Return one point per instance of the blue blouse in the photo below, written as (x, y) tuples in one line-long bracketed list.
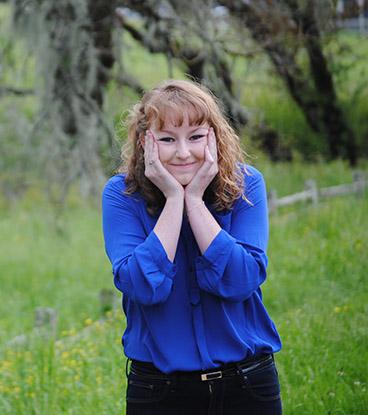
[(202, 310)]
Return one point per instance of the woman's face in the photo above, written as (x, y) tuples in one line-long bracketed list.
[(181, 149)]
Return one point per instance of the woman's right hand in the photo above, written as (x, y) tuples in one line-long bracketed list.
[(156, 172)]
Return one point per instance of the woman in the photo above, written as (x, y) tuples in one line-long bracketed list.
[(186, 227)]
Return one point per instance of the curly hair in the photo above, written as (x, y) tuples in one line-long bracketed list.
[(202, 106)]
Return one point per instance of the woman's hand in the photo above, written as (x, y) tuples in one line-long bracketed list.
[(156, 172), (206, 173)]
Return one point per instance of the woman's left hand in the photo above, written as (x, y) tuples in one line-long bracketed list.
[(206, 173)]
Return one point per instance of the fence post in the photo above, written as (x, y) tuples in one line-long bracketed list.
[(359, 184), (272, 201), (311, 186), (45, 321), (18, 341)]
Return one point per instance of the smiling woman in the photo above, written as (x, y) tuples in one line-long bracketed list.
[(181, 152), (186, 228)]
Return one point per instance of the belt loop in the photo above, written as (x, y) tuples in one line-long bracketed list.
[(238, 369), (126, 367), (174, 379), (242, 377)]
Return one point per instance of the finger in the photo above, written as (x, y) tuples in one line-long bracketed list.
[(208, 141), (154, 154), (148, 153), (151, 134), (152, 145), (212, 144), (210, 137), (208, 155)]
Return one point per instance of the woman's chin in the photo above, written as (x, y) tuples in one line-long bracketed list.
[(184, 180)]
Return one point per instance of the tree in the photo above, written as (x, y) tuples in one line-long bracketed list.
[(185, 32), (282, 28), (72, 42)]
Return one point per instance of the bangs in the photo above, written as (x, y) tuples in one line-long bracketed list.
[(177, 104)]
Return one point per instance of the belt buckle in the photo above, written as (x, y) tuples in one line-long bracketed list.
[(212, 375)]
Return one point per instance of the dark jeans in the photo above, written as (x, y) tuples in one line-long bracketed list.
[(246, 388)]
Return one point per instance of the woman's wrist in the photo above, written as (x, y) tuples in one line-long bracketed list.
[(193, 203), (177, 194), (177, 198)]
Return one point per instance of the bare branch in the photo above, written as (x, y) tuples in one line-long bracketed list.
[(10, 90)]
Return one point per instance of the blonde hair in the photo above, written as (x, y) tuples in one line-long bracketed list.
[(202, 106)]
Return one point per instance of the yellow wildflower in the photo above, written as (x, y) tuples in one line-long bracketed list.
[(29, 379), (6, 364), (88, 321)]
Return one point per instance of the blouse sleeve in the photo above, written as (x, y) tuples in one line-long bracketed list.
[(140, 266), (234, 264)]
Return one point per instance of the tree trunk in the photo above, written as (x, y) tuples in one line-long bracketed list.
[(316, 99), (102, 14)]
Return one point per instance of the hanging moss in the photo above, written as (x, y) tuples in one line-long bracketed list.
[(72, 72)]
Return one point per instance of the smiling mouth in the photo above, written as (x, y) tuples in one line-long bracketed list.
[(184, 165)]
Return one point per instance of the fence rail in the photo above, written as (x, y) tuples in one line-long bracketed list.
[(312, 193)]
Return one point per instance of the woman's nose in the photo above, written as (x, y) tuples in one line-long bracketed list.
[(182, 150)]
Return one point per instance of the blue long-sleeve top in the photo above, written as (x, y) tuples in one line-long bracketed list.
[(201, 310)]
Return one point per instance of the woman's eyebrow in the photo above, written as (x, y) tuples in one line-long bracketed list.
[(195, 128)]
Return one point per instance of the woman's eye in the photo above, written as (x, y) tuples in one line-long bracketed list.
[(166, 139), (196, 137)]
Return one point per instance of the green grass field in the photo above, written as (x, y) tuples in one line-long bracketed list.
[(316, 294)]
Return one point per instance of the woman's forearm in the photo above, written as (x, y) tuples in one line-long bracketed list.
[(169, 223), (203, 224)]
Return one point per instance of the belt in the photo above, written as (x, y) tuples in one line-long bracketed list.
[(227, 370)]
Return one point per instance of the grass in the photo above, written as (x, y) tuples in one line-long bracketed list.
[(315, 294), (52, 268)]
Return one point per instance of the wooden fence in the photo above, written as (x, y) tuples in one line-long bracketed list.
[(312, 193)]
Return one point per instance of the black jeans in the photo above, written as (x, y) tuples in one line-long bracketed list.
[(245, 388)]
